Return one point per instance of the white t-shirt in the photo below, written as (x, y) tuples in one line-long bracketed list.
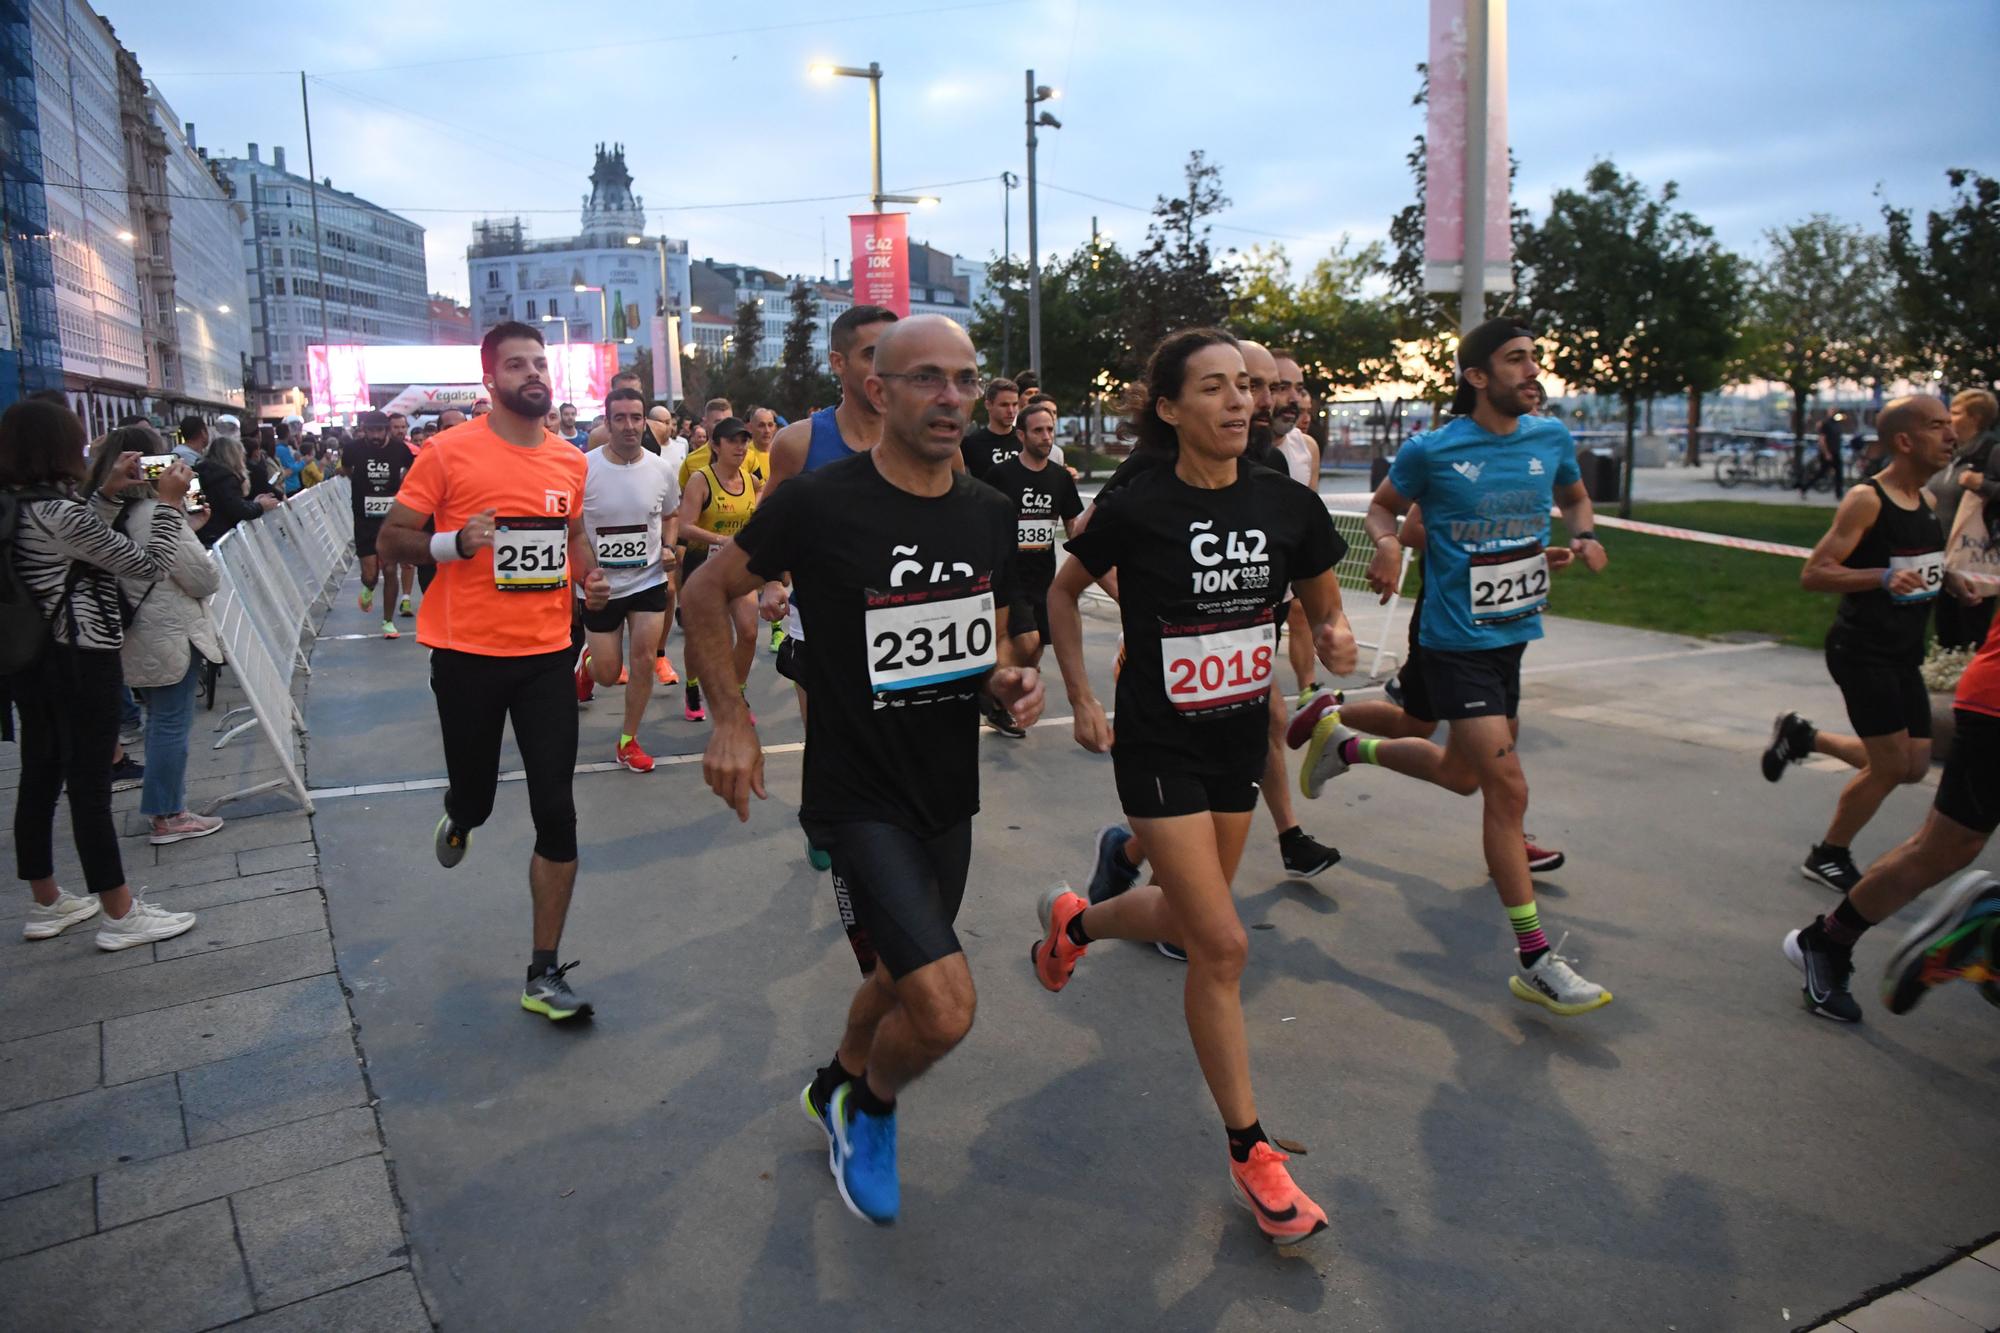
[(1302, 457), (624, 507), (675, 452)]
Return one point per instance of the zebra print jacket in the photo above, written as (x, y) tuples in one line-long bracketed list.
[(70, 558)]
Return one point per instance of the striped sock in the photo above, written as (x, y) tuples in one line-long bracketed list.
[(1358, 750), (1528, 937)]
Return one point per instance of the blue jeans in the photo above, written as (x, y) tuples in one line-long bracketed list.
[(128, 711), (169, 718)]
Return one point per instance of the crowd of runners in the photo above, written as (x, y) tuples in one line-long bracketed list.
[(908, 566)]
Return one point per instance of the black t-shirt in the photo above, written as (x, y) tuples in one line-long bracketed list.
[(984, 450), (1201, 575), (1042, 501), (375, 473), (898, 598)]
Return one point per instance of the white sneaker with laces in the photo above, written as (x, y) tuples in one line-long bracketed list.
[(1554, 984), (144, 924), (45, 923)]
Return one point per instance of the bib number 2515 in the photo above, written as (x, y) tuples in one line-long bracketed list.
[(530, 554)]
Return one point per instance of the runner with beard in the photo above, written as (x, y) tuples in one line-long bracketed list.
[(987, 446), (507, 500), (1486, 481), (1302, 462), (1045, 502)]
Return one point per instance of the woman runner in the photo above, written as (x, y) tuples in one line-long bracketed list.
[(718, 501)]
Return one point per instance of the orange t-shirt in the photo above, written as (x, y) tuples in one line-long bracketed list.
[(1979, 686), (513, 600)]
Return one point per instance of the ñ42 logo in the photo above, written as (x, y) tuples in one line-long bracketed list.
[(1209, 549)]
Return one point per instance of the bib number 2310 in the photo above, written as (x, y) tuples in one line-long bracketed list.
[(918, 643), (530, 554), (1507, 585)]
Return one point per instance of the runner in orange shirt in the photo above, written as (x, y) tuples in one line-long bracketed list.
[(506, 497)]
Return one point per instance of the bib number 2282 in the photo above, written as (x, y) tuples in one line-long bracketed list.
[(530, 554)]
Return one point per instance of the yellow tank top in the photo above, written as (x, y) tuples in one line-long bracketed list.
[(723, 513)]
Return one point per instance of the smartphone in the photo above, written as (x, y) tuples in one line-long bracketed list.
[(152, 465)]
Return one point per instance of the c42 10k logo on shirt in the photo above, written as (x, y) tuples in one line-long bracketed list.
[(930, 636), (1211, 550)]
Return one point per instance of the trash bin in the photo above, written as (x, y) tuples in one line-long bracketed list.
[(1600, 474)]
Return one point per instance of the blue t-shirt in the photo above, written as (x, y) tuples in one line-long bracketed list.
[(1486, 502)]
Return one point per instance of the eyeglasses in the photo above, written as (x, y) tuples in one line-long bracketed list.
[(968, 383)]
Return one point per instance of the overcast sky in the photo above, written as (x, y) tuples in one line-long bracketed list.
[(1764, 111)]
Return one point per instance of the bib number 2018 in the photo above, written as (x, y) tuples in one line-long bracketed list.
[(1217, 669)]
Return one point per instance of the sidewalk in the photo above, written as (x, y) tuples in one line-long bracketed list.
[(187, 1135)]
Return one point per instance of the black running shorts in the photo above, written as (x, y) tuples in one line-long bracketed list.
[(1882, 699), (1416, 690), (1150, 790), (790, 659), (1486, 683), (366, 530), (899, 894), (612, 618), (1030, 615), (1969, 791)]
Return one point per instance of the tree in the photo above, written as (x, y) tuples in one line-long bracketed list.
[(1616, 283), (1709, 342), (802, 383), (1084, 297), (642, 366), (1945, 293), (694, 375), (1174, 283), (743, 381), (1816, 303), (1340, 334)]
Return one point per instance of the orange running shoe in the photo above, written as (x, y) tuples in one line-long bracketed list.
[(624, 674), (1283, 1212), (634, 758), (663, 671), (1055, 954), (585, 685)]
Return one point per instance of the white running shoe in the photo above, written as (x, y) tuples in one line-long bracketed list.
[(1322, 758), (45, 923), (181, 827), (1553, 984), (144, 924)]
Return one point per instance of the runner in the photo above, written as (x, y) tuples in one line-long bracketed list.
[(630, 514), (987, 447), (763, 432), (1885, 555), (719, 499), (1206, 549), (375, 465), (657, 434), (399, 435), (1044, 499), (905, 571), (1486, 481), (713, 415), (1302, 462), (1960, 939), (507, 498)]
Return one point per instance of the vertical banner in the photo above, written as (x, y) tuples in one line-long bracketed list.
[(882, 260), (338, 379), (1445, 137), (581, 373)]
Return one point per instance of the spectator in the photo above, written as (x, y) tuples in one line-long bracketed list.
[(286, 454), (225, 485), (1974, 462), (259, 461), (1829, 458), (70, 557), (167, 641), (194, 441), (309, 469)]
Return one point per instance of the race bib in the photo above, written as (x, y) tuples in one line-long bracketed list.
[(1218, 666), (1037, 534), (635, 546), (1930, 564), (921, 641), (530, 554), (377, 506), (1508, 585)]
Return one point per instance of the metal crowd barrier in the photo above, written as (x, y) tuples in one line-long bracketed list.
[(276, 572)]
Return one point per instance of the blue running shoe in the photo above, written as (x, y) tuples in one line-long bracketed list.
[(1112, 874), (823, 1117), (864, 1148)]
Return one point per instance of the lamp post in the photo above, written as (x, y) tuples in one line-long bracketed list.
[(873, 73), (1037, 93), (1008, 180), (603, 311)]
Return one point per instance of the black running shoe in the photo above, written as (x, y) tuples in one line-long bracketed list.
[(1392, 690), (1003, 722), (450, 841), (1954, 942), (1791, 741), (1305, 855), (550, 996), (1827, 972), (127, 774), (1835, 869)]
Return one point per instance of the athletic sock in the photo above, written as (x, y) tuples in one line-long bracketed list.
[(1077, 934), (827, 1078), (1358, 750), (863, 1099), (1843, 925), (540, 961), (1241, 1141), (1528, 937)]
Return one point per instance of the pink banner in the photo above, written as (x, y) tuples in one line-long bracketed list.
[(338, 381), (882, 260), (1444, 149)]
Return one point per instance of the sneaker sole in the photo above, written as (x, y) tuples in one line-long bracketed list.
[(118, 943), (634, 768), (1045, 912), (1244, 1202), (1809, 873), (48, 930), (1547, 864), (1938, 922), (445, 855), (1777, 734), (840, 1183), (1300, 729), (553, 1014), (819, 1121), (1168, 951), (1309, 872), (1523, 991), (169, 839), (128, 784)]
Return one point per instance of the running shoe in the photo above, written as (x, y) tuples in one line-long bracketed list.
[(1392, 690), (624, 674), (1834, 869), (389, 630), (450, 841), (45, 923), (663, 671), (1956, 942), (1322, 759), (821, 861), (1827, 970), (1112, 874), (1308, 694), (404, 609), (777, 635), (864, 1156), (127, 774), (1791, 741), (1283, 1212), (1003, 722), (1300, 729), (143, 924), (691, 708), (1554, 984), (181, 827), (1541, 859), (631, 756), (1054, 955), (586, 684), (367, 599), (823, 1117), (1306, 855), (550, 996), (1173, 951)]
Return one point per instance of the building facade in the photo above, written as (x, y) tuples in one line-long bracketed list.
[(513, 276), (450, 321), (30, 341), (376, 288), (205, 283)]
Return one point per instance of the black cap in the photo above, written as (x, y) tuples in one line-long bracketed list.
[(372, 419), (728, 429), (1475, 350)]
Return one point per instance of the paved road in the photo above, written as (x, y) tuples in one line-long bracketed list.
[(1700, 1155)]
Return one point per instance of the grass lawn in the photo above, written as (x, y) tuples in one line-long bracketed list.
[(1681, 587)]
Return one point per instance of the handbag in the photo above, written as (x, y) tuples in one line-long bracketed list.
[(1972, 551)]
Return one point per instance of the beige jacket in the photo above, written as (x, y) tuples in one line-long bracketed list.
[(171, 616)]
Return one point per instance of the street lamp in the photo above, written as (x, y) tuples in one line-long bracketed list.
[(603, 317), (1037, 93), (1008, 182), (873, 73)]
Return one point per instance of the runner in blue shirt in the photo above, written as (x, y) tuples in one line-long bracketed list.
[(1486, 481)]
